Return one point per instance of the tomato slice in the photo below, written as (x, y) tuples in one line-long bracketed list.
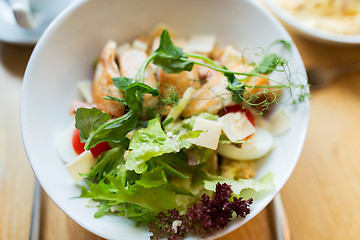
[(239, 108), (79, 146)]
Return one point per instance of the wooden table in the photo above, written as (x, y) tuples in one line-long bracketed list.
[(322, 197)]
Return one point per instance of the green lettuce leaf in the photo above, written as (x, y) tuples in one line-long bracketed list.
[(128, 210), (238, 186), (174, 164), (103, 208), (147, 143), (198, 154), (182, 127), (114, 188), (136, 212), (154, 178)]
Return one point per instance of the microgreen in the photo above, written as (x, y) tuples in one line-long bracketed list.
[(173, 59), (269, 64), (236, 87)]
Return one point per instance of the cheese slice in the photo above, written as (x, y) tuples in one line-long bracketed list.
[(210, 137), (236, 126), (82, 164)]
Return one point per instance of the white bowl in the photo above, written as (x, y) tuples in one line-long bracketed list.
[(296, 25), (64, 56)]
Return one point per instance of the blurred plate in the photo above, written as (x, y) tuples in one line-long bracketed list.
[(296, 25)]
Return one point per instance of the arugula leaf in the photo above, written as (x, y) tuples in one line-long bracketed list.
[(109, 161), (89, 120), (172, 64), (111, 131), (167, 46), (147, 143), (169, 57), (132, 91), (122, 83)]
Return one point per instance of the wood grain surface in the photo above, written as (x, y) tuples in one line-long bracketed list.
[(321, 197)]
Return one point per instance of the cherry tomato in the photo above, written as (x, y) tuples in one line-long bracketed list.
[(79, 146), (99, 149), (239, 108)]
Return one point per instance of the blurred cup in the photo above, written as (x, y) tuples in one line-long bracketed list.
[(28, 13)]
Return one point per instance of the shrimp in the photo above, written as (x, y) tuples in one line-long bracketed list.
[(131, 59), (232, 59), (211, 97), (177, 82), (252, 81), (106, 69)]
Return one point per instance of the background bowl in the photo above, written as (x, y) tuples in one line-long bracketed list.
[(297, 26), (64, 56)]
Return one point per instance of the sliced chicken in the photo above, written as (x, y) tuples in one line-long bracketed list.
[(130, 61), (106, 69)]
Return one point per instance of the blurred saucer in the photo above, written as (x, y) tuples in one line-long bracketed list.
[(11, 32)]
